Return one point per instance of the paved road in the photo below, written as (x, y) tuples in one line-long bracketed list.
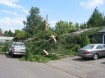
[(74, 67), (13, 68), (83, 68)]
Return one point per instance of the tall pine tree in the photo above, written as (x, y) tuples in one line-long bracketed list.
[(96, 19), (34, 23)]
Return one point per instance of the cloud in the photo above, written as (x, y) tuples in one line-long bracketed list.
[(12, 3), (7, 23), (91, 4), (11, 21), (10, 12)]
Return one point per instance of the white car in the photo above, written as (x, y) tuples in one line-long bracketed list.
[(17, 48)]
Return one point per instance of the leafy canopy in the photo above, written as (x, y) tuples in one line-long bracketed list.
[(96, 19), (34, 23)]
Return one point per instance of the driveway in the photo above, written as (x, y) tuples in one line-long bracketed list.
[(82, 68), (74, 67), (13, 68)]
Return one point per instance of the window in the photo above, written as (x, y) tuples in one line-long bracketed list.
[(99, 47), (19, 44), (104, 46), (88, 46)]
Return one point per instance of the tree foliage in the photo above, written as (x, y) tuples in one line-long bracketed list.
[(8, 33), (84, 40), (96, 19), (63, 27), (34, 23), (67, 43), (19, 35)]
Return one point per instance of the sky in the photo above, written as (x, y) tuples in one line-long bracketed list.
[(14, 12)]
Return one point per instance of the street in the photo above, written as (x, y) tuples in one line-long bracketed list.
[(13, 68), (82, 68), (74, 67)]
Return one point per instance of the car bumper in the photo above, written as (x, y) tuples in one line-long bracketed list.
[(19, 53), (86, 55)]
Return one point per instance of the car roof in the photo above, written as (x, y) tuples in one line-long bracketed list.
[(97, 44), (17, 42)]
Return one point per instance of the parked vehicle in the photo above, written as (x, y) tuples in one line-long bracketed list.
[(92, 51), (17, 48)]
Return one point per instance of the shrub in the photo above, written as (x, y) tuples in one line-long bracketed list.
[(29, 54), (84, 40), (40, 58), (54, 56), (4, 47)]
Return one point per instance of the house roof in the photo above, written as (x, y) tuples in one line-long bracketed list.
[(8, 38), (80, 31), (102, 31), (4, 38)]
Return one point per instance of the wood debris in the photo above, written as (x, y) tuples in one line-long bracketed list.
[(54, 38)]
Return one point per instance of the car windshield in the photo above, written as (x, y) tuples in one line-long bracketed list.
[(19, 44), (88, 47)]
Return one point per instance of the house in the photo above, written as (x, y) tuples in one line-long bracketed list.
[(95, 37), (80, 31), (101, 34), (4, 39)]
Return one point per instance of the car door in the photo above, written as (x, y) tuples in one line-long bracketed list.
[(100, 50), (104, 49)]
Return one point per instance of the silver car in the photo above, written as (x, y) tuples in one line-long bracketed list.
[(17, 48), (92, 51)]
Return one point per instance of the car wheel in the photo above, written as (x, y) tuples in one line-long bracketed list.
[(11, 54), (95, 56)]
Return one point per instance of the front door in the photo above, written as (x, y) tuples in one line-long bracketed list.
[(104, 39)]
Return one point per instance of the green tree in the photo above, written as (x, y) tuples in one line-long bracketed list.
[(8, 33), (19, 35), (34, 23), (63, 27), (104, 21), (84, 40), (72, 27), (96, 19), (84, 25), (77, 26)]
